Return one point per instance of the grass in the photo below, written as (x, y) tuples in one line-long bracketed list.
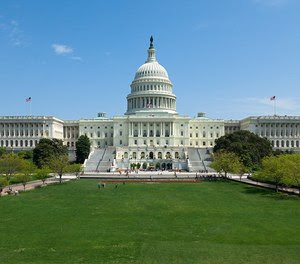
[(209, 222)]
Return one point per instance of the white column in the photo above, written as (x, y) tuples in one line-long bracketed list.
[(148, 134)]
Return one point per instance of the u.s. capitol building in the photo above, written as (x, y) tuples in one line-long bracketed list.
[(151, 131)]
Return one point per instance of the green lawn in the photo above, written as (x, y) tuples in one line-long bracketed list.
[(209, 222)]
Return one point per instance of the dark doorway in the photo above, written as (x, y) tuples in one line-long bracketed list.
[(151, 155)]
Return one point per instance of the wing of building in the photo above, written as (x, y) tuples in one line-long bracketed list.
[(151, 133)]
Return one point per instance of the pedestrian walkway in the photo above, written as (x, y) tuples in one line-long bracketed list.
[(264, 185), (15, 188)]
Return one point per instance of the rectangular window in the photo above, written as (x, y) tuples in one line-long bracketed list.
[(120, 142)]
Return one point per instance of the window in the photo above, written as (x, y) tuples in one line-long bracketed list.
[(91, 134), (105, 134), (120, 142), (135, 142), (204, 143), (121, 133), (181, 133), (98, 133)]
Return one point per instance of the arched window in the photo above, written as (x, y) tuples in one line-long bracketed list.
[(126, 155), (159, 155), (142, 155), (176, 155), (134, 155)]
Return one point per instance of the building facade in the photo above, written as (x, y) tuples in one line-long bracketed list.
[(151, 131)]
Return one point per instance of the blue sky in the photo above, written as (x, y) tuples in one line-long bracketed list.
[(76, 58)]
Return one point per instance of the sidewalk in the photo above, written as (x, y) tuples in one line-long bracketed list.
[(265, 185), (30, 185)]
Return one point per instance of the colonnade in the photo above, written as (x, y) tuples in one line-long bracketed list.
[(151, 102), (10, 130), (279, 130), (151, 129)]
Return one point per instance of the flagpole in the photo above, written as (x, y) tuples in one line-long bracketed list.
[(275, 107)]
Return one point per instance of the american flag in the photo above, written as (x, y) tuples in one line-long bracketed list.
[(273, 98), (28, 99)]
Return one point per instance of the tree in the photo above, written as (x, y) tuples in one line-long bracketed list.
[(249, 147), (46, 150), (144, 165), (26, 154), (42, 174), (138, 165), (27, 170), (226, 162), (83, 147), (157, 165), (2, 151), (59, 165), (75, 168), (292, 169), (10, 164), (3, 183), (273, 170)]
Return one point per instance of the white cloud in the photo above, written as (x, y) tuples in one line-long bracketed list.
[(60, 49), (77, 58), (15, 34)]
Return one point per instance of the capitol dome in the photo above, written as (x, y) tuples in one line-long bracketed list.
[(151, 89), (153, 69)]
